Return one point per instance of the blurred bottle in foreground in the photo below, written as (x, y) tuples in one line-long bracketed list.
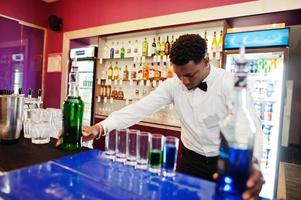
[(72, 113), (237, 137)]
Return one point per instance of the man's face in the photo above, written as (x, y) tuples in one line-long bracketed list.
[(192, 74)]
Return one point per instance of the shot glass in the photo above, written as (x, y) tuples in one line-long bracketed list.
[(121, 141), (110, 144), (155, 153), (143, 140), (131, 151), (170, 152)]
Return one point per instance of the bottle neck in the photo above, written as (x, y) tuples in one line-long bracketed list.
[(73, 83), (241, 75), (73, 90)]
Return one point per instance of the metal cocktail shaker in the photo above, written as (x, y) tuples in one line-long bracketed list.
[(11, 108)]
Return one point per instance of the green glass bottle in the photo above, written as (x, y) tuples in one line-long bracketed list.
[(73, 110)]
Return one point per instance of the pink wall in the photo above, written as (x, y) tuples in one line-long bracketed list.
[(82, 13), (33, 11)]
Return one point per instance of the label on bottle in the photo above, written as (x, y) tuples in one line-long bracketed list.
[(151, 74), (98, 99), (143, 59), (115, 82), (164, 58)]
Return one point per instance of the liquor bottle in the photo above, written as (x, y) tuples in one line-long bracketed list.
[(145, 48), (104, 90), (108, 92), (101, 89), (146, 72), (29, 93), (120, 74), (126, 73), (154, 49), (158, 47), (20, 91), (214, 43), (114, 93), (112, 51), (162, 48), (129, 50), (136, 48), (163, 71), (167, 47), (169, 71), (151, 72), (134, 73), (172, 40), (117, 52), (206, 37), (140, 72), (115, 72), (120, 94), (220, 42), (157, 72), (122, 50), (110, 72), (237, 137), (73, 110), (40, 102)]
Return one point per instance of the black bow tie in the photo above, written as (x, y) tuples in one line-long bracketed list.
[(203, 86)]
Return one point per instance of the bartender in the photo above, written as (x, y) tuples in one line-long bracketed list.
[(199, 93)]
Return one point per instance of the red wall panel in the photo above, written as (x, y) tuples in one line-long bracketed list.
[(82, 14), (33, 11)]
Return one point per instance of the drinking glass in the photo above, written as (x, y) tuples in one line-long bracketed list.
[(170, 152), (121, 141), (131, 151), (110, 144), (143, 141), (40, 127), (155, 153), (56, 121)]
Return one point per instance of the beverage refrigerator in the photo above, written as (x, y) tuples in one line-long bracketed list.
[(86, 62), (267, 54)]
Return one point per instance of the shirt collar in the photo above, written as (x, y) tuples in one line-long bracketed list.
[(210, 76)]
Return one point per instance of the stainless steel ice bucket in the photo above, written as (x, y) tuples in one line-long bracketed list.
[(11, 108)]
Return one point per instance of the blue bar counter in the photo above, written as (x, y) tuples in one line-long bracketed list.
[(88, 175)]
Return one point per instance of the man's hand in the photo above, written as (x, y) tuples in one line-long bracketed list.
[(88, 133), (254, 183)]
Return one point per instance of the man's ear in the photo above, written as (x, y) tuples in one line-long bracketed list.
[(206, 61)]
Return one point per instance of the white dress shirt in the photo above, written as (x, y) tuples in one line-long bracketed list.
[(199, 112)]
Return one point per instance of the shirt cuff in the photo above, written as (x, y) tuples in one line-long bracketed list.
[(104, 124)]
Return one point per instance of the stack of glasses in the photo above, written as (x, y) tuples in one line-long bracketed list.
[(143, 150)]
